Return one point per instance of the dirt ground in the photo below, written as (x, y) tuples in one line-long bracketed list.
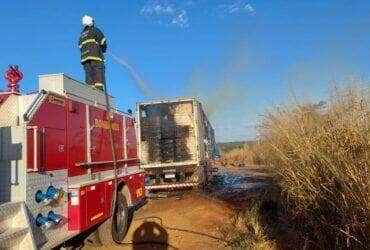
[(193, 219)]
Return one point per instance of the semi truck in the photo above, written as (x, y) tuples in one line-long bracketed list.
[(176, 143), (58, 176)]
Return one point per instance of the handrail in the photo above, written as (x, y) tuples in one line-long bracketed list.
[(87, 164), (32, 107), (35, 147), (115, 109)]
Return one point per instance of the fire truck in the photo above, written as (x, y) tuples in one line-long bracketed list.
[(58, 176)]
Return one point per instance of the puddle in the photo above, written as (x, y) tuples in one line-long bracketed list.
[(226, 182)]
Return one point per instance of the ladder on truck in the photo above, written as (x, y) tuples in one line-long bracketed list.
[(15, 228)]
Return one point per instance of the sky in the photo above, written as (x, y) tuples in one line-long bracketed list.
[(240, 58)]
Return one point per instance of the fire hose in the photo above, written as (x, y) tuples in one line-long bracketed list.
[(114, 200)]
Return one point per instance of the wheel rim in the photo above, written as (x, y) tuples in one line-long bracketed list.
[(120, 219)]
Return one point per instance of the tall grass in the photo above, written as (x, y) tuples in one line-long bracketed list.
[(245, 155), (320, 154), (247, 232)]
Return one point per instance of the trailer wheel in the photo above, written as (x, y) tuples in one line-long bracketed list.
[(114, 229)]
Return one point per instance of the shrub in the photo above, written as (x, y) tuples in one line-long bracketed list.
[(320, 154)]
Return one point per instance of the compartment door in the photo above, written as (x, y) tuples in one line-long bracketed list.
[(95, 204), (54, 149), (131, 143)]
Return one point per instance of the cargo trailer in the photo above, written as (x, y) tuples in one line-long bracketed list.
[(176, 143)]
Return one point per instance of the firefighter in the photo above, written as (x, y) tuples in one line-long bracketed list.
[(92, 45)]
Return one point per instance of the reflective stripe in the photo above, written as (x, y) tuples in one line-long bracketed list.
[(172, 186), (92, 40), (94, 58), (102, 41), (99, 84)]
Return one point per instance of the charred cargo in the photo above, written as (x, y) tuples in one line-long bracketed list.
[(176, 143)]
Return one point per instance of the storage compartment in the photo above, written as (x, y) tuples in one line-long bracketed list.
[(77, 209), (54, 154), (130, 141), (95, 202)]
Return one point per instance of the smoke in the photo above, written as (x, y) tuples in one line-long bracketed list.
[(223, 86), (144, 88), (310, 79), (218, 97), (222, 96)]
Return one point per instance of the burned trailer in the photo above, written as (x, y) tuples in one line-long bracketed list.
[(176, 143)]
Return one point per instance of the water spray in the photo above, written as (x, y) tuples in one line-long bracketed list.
[(145, 89)]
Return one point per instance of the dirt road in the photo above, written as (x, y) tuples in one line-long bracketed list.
[(192, 219)]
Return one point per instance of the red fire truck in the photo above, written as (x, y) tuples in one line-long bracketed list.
[(57, 175)]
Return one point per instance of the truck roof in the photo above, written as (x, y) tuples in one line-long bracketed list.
[(168, 101)]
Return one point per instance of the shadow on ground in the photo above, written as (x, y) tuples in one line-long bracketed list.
[(150, 235)]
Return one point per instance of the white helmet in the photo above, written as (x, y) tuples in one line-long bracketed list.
[(87, 21)]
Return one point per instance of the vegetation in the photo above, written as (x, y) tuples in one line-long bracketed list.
[(226, 147), (240, 157), (320, 156), (241, 153), (247, 231)]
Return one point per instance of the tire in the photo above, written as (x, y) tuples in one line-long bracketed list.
[(199, 177), (114, 229)]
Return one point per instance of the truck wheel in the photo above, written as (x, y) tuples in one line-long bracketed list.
[(114, 229), (200, 175)]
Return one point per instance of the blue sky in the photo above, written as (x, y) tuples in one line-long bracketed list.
[(239, 57)]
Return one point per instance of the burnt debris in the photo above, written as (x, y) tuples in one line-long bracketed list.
[(166, 133)]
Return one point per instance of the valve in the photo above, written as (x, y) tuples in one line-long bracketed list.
[(13, 75), (52, 194), (54, 217), (42, 197), (43, 222)]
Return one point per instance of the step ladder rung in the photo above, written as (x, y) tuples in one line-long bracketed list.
[(11, 236), (15, 227), (9, 209)]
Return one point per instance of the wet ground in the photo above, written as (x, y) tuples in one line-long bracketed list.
[(234, 187), (193, 219)]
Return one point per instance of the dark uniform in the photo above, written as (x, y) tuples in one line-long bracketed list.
[(92, 45)]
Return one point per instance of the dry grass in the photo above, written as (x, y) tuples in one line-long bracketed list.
[(320, 154), (246, 232), (247, 155)]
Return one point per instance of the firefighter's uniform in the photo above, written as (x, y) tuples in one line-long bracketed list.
[(92, 45)]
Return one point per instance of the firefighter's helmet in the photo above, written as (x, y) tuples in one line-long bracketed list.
[(87, 21)]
